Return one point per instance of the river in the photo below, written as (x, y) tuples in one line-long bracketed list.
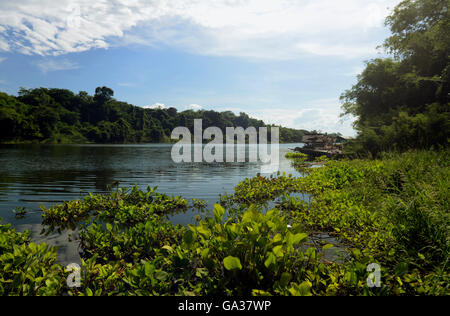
[(35, 175)]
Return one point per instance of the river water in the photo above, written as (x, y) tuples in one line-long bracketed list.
[(35, 175)]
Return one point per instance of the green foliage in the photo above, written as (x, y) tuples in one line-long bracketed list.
[(125, 207), (127, 243), (252, 254), (27, 269), (394, 211), (296, 155), (403, 103), (260, 189), (232, 263), (322, 159), (60, 116), (20, 212)]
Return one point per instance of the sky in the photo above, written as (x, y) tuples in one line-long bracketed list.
[(283, 61)]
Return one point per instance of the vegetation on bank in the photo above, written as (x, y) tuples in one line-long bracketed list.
[(59, 116), (391, 211), (403, 102), (296, 155)]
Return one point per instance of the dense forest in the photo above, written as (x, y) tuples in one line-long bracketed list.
[(403, 102), (60, 116)]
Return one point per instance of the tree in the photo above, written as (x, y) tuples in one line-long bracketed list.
[(46, 119), (103, 94), (172, 112), (403, 102), (47, 114)]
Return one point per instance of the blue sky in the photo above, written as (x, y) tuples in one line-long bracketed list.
[(284, 61)]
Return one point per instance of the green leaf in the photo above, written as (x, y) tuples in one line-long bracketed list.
[(205, 253), (304, 289), (250, 215), (168, 248), (148, 269), (201, 272), (188, 237), (271, 260), (219, 211), (232, 263), (260, 293), (327, 246), (356, 253), (299, 238), (278, 251), (161, 276), (285, 279), (277, 238), (205, 232)]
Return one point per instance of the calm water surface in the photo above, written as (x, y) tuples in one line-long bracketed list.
[(35, 175)]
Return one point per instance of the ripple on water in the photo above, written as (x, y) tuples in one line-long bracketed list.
[(34, 175)]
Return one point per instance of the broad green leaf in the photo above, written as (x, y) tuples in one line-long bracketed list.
[(278, 251), (161, 276), (205, 253), (205, 232), (299, 238), (219, 211), (271, 260), (148, 269), (277, 238), (232, 263), (305, 289)]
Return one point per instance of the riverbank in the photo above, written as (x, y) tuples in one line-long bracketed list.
[(392, 212)]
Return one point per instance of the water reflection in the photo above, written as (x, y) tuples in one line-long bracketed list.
[(35, 175)]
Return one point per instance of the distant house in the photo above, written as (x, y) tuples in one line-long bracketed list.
[(318, 141), (342, 139), (322, 141)]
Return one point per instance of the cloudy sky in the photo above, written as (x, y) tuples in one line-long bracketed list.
[(283, 61)]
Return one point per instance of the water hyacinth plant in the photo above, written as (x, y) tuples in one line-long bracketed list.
[(392, 212)]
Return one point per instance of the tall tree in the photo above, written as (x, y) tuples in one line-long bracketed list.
[(403, 102), (103, 94)]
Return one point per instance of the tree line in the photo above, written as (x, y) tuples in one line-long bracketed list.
[(61, 116), (402, 102)]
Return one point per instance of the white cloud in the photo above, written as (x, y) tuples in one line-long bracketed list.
[(2, 59), (49, 65), (155, 106), (195, 107), (323, 115), (250, 28)]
